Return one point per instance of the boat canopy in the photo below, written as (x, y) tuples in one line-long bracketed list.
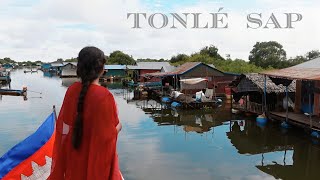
[(193, 80)]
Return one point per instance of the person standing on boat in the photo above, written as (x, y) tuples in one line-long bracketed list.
[(87, 126)]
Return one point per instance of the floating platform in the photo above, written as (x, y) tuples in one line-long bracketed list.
[(297, 119), (198, 105)]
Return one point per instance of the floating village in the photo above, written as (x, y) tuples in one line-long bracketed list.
[(290, 96), (275, 112)]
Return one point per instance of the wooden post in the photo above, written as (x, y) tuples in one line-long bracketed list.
[(316, 102), (231, 101), (177, 82), (265, 94), (310, 109), (54, 111), (297, 103), (287, 104), (162, 86), (246, 102)]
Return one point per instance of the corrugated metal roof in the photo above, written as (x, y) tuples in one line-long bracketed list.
[(114, 67), (295, 73), (149, 65), (315, 63), (73, 63), (57, 64), (309, 70), (179, 70), (167, 68)]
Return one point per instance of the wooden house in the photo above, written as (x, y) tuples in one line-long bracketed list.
[(248, 93), (7, 66), (138, 71), (45, 67), (114, 72), (56, 67), (307, 95), (190, 70), (69, 70)]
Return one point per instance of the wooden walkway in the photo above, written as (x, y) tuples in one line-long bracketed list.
[(297, 119), (250, 107)]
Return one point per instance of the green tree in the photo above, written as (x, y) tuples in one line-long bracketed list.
[(71, 60), (211, 51), (238, 66), (60, 60), (151, 60), (268, 54), (6, 60), (313, 54), (179, 58), (205, 58), (297, 60), (118, 57)]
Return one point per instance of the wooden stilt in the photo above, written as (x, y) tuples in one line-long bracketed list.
[(287, 103), (265, 94)]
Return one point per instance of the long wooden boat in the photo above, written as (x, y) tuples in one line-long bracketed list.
[(12, 92)]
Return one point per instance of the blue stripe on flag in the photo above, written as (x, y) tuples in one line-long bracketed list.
[(27, 147)]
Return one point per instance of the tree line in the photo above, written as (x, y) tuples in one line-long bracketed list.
[(263, 56), (272, 55), (8, 60)]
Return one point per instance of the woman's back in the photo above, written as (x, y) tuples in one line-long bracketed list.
[(87, 126), (95, 157)]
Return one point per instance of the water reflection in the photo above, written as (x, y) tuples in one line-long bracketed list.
[(306, 161), (68, 81), (255, 140), (198, 121), (47, 74)]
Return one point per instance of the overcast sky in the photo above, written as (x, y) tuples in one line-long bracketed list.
[(50, 29)]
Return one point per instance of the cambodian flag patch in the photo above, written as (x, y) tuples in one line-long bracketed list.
[(32, 157)]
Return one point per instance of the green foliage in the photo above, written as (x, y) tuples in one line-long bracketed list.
[(211, 56), (71, 60), (179, 58), (295, 61), (272, 54), (238, 66), (118, 57), (211, 51), (6, 60), (313, 54), (229, 65), (268, 54), (151, 60)]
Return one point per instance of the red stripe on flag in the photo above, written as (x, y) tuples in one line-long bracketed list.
[(38, 157)]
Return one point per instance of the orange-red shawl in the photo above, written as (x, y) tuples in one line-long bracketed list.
[(96, 158)]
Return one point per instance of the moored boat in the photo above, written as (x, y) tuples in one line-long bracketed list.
[(12, 92)]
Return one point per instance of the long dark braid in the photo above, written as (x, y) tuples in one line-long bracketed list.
[(91, 62)]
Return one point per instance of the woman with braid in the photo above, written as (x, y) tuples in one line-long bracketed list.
[(87, 126)]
